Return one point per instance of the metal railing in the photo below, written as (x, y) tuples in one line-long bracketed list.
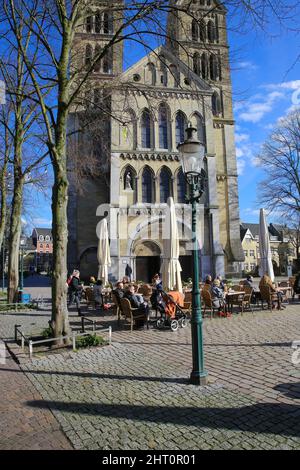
[(31, 343)]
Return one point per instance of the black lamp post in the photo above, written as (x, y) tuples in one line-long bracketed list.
[(192, 155)]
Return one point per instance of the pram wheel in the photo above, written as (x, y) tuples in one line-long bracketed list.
[(183, 322), (160, 323), (174, 325)]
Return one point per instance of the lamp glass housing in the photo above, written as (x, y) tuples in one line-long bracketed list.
[(192, 153)]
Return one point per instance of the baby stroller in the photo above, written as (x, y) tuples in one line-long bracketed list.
[(172, 316)]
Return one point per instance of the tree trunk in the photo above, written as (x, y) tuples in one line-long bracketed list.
[(14, 240), (60, 320), (3, 205)]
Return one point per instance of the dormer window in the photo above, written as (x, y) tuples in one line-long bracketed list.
[(41, 238)]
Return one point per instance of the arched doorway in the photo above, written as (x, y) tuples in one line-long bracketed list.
[(88, 263), (147, 260)]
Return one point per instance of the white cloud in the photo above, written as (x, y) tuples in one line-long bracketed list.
[(251, 211), (291, 85), (240, 137), (259, 105), (42, 222), (247, 65)]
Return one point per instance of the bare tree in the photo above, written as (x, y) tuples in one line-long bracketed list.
[(6, 145), (280, 160), (25, 154)]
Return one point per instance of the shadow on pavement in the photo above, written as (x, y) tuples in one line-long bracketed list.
[(268, 418), (291, 390)]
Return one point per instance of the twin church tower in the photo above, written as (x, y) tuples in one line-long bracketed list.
[(141, 116)]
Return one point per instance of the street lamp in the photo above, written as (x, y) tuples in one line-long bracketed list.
[(192, 159)]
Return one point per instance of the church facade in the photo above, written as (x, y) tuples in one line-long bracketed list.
[(186, 80)]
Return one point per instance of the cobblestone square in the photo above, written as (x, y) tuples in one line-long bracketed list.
[(135, 394)]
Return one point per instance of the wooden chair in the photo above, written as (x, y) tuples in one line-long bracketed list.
[(116, 303), (187, 304), (208, 303), (237, 287), (243, 300), (267, 295), (129, 314)]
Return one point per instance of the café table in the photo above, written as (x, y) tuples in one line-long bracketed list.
[(232, 295)]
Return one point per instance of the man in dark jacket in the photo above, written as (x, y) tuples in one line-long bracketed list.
[(296, 286), (137, 302), (75, 290)]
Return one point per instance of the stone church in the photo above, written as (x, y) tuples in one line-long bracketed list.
[(147, 109)]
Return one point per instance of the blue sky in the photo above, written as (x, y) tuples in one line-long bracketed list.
[(266, 85)]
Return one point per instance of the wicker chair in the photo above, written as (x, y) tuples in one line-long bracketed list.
[(129, 313), (208, 303), (117, 305), (90, 298), (187, 305), (243, 300), (237, 287), (267, 295)]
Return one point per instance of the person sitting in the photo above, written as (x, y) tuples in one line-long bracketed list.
[(208, 282), (222, 284), (136, 303), (156, 298), (92, 281), (98, 293), (125, 280), (218, 298), (119, 290), (267, 281), (248, 281)]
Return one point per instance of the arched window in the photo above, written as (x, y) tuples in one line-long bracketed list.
[(181, 187), (216, 104), (195, 30), (107, 62), (97, 67), (163, 127), (129, 131), (196, 63), (163, 70), (146, 129), (200, 125), (98, 22), (176, 75), (88, 55), (152, 73), (89, 24), (147, 186), (180, 127), (204, 67), (217, 28), (213, 67), (107, 23), (165, 184), (202, 29), (211, 32)]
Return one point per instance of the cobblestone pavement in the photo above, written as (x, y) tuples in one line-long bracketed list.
[(135, 394), (21, 426)]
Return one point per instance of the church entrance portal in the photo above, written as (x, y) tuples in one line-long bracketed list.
[(147, 260), (146, 267)]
